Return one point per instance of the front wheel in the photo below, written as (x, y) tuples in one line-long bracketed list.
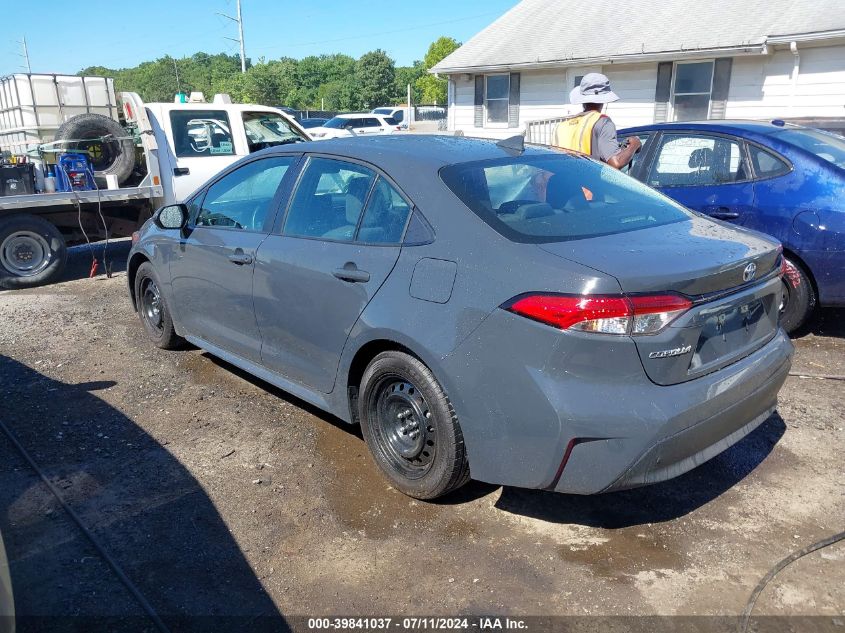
[(798, 298), (32, 252), (153, 309), (411, 428)]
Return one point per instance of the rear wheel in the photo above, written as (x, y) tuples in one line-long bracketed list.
[(798, 297), (153, 309), (411, 428), (32, 252)]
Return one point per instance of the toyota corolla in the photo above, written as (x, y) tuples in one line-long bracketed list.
[(518, 315)]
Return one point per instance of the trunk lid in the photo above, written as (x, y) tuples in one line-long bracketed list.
[(734, 312)]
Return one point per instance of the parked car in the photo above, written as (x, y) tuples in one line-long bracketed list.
[(312, 122), (781, 179), (399, 114), (530, 318), (355, 124)]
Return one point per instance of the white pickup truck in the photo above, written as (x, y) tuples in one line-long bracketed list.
[(142, 156)]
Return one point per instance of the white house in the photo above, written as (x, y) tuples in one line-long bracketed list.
[(669, 60)]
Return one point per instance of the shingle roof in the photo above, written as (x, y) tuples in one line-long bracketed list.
[(537, 31)]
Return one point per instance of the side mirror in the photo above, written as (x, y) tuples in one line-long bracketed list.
[(174, 216)]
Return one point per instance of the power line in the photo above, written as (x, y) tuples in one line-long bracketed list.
[(240, 40)]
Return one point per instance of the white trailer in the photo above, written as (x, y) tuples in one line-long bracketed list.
[(158, 152)]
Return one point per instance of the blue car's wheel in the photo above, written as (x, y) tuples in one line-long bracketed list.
[(410, 427), (798, 297)]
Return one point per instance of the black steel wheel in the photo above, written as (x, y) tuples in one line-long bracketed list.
[(410, 427), (153, 310)]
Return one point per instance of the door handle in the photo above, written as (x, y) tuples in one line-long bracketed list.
[(722, 213), (181, 171), (240, 258), (351, 274)]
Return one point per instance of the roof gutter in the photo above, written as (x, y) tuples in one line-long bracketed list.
[(806, 37), (632, 58)]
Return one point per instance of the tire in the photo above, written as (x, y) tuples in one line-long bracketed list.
[(411, 428), (799, 297), (32, 252), (153, 310), (110, 157)]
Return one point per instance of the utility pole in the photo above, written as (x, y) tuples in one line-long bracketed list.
[(176, 70), (25, 55), (240, 39)]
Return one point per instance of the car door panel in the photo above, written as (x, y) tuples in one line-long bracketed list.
[(706, 173), (314, 280), (308, 296), (212, 270)]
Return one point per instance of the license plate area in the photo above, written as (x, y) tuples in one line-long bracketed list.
[(730, 330)]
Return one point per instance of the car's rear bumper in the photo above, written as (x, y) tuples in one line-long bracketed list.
[(582, 417)]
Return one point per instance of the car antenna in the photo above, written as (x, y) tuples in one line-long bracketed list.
[(513, 143)]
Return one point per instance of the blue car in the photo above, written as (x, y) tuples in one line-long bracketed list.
[(776, 178)]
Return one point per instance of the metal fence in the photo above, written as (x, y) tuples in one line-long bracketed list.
[(541, 131)]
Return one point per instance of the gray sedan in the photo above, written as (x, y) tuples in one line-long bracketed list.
[(522, 316)]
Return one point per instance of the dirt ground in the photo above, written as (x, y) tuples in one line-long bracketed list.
[(218, 495)]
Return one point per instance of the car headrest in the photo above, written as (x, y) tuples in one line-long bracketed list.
[(558, 191), (702, 157), (534, 210)]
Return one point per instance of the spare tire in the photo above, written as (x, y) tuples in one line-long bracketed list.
[(109, 150)]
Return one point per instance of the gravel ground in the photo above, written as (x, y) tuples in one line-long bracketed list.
[(218, 495)]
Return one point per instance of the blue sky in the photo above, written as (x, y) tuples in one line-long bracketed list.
[(65, 37)]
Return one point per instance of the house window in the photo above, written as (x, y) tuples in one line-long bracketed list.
[(691, 90), (496, 99)]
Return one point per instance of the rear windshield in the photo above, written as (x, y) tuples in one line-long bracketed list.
[(390, 120), (383, 111), (554, 198), (823, 144)]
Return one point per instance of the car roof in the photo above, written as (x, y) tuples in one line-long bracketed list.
[(738, 127), (409, 152), (353, 115)]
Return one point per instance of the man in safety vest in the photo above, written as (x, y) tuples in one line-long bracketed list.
[(592, 132)]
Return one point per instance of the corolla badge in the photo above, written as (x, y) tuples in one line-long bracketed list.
[(668, 353), (749, 272)]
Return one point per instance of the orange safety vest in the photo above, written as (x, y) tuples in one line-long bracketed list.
[(576, 132)]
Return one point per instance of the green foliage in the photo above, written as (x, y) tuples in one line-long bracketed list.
[(374, 76), (433, 89), (335, 82)]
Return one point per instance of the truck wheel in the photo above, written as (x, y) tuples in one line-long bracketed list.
[(32, 252), (108, 157), (411, 428), (798, 297)]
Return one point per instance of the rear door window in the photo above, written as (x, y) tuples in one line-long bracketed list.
[(243, 198), (385, 216), (766, 164), (329, 200), (689, 160), (201, 133)]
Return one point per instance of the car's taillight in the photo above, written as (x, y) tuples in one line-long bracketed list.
[(602, 314), (136, 235)]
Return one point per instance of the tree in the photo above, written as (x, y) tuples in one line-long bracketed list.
[(375, 75), (433, 89), (408, 75)]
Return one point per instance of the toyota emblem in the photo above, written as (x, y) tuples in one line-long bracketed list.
[(749, 272)]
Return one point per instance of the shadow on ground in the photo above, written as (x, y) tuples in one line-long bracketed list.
[(141, 504), (79, 258), (824, 322)]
